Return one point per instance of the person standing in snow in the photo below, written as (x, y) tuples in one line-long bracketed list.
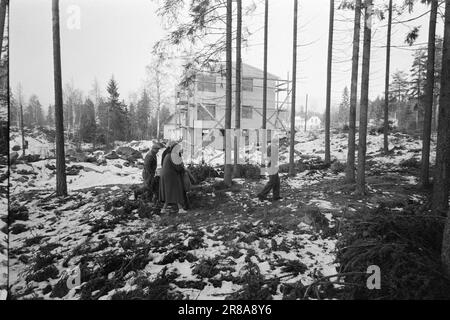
[(274, 181), (150, 165), (171, 187)]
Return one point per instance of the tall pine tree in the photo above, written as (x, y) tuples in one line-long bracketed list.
[(344, 107), (116, 115), (143, 116), (87, 130)]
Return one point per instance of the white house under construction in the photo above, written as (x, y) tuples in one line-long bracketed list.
[(200, 110)]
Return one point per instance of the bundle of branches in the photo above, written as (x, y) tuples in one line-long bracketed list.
[(202, 172), (206, 268), (255, 286), (110, 270), (249, 171), (410, 163), (159, 289), (312, 163), (405, 245)]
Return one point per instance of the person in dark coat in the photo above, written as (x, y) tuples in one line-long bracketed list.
[(272, 185), (171, 187), (168, 150), (148, 174)]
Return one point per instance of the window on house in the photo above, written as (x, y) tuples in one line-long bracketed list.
[(247, 84), (206, 83), (247, 112), (202, 114)]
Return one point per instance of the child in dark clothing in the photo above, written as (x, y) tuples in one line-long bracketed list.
[(273, 184)]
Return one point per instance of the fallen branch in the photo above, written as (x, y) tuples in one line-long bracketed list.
[(321, 280)]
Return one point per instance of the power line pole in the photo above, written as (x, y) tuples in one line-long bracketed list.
[(229, 93), (294, 85), (386, 85), (238, 84), (266, 28)]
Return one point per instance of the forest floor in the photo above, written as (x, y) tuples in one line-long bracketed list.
[(230, 245)]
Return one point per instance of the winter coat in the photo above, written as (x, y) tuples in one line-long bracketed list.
[(171, 187), (150, 164), (164, 154)]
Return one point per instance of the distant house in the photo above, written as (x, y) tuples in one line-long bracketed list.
[(313, 123), (200, 112), (172, 129)]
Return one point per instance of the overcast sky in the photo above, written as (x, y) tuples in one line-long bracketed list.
[(117, 36)]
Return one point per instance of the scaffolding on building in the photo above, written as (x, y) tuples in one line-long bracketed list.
[(187, 105)]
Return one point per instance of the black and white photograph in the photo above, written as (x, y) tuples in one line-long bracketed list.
[(225, 150)]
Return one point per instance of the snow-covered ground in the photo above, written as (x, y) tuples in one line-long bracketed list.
[(38, 176), (57, 230), (226, 244), (38, 142), (314, 144)]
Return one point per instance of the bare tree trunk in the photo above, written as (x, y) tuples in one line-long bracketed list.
[(419, 80), (158, 92), (442, 175), (329, 70), (61, 186), (294, 92), (429, 95), (306, 113), (229, 92), (238, 84), (266, 29), (361, 172), (386, 85), (107, 129), (350, 170), (22, 130), (445, 254), (95, 137), (157, 123), (79, 127), (3, 5)]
